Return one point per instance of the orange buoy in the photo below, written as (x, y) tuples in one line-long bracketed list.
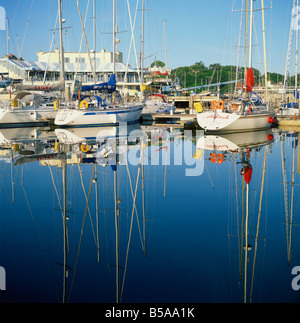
[(221, 105), (214, 105), (271, 120)]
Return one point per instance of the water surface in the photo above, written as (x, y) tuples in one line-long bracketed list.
[(79, 224)]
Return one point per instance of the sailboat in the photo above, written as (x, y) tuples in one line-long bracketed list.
[(227, 148), (244, 116), (17, 113), (222, 146), (157, 102), (97, 115), (291, 109), (287, 137)]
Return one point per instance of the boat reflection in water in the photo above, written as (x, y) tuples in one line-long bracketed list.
[(97, 153), (89, 215), (103, 146), (240, 148), (288, 136)]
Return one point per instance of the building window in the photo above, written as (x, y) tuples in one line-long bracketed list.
[(67, 59), (81, 60)]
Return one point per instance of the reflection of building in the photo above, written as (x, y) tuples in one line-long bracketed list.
[(75, 64)]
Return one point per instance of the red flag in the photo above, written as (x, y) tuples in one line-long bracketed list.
[(249, 80)]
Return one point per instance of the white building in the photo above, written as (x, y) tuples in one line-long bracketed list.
[(76, 64), (83, 58)]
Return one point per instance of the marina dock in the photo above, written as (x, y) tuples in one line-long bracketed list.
[(289, 122)]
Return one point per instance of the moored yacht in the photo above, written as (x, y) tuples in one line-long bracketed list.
[(96, 116)]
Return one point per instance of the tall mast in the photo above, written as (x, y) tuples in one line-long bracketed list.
[(239, 47), (251, 33), (86, 43), (246, 37), (64, 176), (114, 36), (94, 14), (117, 232), (296, 63), (142, 42), (62, 59), (165, 44), (7, 39), (287, 64), (265, 51), (246, 244)]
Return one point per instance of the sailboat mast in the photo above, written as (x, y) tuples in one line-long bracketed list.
[(296, 63), (246, 244), (114, 36), (142, 42), (7, 45), (288, 55), (265, 50), (251, 33), (165, 34), (64, 176), (292, 204), (117, 234), (246, 38), (94, 18), (86, 43), (62, 55)]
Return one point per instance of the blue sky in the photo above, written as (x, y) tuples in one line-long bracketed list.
[(196, 30)]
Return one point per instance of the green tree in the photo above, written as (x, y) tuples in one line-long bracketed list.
[(158, 64)]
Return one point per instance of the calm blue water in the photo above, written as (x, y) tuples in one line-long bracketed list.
[(184, 241)]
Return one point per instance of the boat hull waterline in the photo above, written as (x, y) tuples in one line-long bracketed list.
[(73, 117), (25, 116), (231, 122), (235, 141)]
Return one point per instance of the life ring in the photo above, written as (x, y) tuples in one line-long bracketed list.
[(83, 104), (84, 148)]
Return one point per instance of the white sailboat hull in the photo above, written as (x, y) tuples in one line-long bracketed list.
[(25, 116), (80, 135), (233, 122), (235, 141), (288, 112), (152, 107), (94, 117)]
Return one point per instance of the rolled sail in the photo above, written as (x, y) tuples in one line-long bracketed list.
[(109, 86), (58, 86)]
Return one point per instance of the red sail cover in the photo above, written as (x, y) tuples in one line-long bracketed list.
[(153, 73), (249, 80)]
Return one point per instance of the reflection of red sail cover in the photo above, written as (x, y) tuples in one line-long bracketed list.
[(247, 172), (249, 80)]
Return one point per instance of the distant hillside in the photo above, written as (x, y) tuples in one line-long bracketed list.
[(198, 74)]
